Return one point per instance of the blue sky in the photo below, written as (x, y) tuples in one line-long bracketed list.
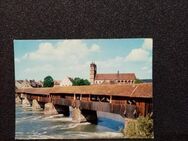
[(35, 59)]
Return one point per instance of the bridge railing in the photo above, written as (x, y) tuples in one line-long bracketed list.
[(117, 108)]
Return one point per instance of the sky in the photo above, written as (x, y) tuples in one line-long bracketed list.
[(36, 59)]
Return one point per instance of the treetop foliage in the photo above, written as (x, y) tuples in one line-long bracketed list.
[(79, 81), (137, 81), (48, 81)]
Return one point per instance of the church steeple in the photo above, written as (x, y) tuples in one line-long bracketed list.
[(93, 72)]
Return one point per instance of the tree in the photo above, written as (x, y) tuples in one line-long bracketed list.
[(78, 82), (48, 81), (137, 81)]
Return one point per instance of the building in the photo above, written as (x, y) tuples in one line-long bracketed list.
[(57, 82), (110, 78), (27, 84), (35, 84), (22, 84), (67, 81)]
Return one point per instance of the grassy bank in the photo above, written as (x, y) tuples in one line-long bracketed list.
[(142, 127)]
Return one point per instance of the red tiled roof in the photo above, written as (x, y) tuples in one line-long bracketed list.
[(57, 82), (41, 91), (135, 90), (120, 76), (143, 90)]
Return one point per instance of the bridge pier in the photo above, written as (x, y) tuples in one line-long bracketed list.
[(36, 105), (18, 100), (25, 102), (77, 116), (84, 115), (51, 109)]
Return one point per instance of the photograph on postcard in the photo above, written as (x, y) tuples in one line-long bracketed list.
[(83, 88)]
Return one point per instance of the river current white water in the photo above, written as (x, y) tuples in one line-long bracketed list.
[(35, 125)]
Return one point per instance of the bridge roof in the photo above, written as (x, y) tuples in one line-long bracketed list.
[(137, 90), (143, 90), (40, 91)]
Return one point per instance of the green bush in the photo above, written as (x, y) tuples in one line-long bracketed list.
[(130, 128), (142, 127), (48, 81), (78, 82), (138, 81)]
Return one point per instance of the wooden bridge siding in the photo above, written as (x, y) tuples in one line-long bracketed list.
[(117, 104), (149, 107), (117, 108), (69, 96), (141, 108), (85, 98), (103, 106), (62, 101), (144, 106), (91, 105), (39, 98)]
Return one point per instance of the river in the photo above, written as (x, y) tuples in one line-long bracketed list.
[(35, 125)]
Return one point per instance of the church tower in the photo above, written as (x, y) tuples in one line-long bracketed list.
[(93, 72)]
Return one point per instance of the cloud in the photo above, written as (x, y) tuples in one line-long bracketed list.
[(137, 55), (17, 60), (73, 49), (95, 48), (141, 54), (38, 71), (72, 58), (148, 44), (68, 57), (144, 68), (38, 68)]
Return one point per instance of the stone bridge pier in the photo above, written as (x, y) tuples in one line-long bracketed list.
[(53, 109), (26, 102), (83, 115), (37, 105), (18, 100)]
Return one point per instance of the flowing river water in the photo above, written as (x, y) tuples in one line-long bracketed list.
[(35, 125)]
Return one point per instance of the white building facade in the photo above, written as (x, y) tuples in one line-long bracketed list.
[(67, 81)]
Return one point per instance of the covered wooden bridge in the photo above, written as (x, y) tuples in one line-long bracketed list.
[(106, 98)]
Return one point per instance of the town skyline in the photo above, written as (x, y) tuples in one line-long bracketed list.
[(35, 59)]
